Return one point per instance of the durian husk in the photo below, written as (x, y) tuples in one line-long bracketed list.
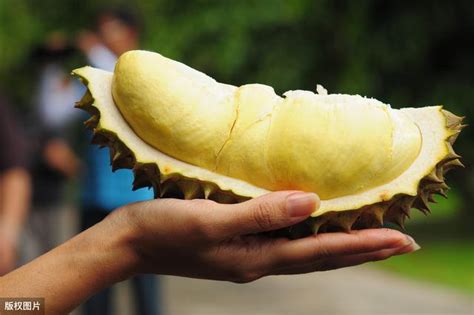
[(168, 184)]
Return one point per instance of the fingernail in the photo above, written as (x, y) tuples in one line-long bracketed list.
[(413, 244), (415, 247), (301, 204)]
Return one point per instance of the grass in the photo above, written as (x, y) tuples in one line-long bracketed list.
[(445, 262), (447, 251)]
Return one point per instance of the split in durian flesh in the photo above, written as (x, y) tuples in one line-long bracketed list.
[(183, 132)]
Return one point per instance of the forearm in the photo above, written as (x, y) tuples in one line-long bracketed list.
[(15, 190), (69, 274)]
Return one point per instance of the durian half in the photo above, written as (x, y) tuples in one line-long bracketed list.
[(186, 135)]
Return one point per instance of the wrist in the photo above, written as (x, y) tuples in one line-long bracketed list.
[(134, 238), (120, 237)]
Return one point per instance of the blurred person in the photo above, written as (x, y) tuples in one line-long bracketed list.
[(14, 188), (197, 239), (104, 190), (56, 161), (117, 32)]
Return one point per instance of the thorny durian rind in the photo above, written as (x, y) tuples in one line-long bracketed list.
[(392, 201)]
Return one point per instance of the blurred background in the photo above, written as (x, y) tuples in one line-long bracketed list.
[(414, 53)]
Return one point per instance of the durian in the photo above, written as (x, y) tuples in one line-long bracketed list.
[(186, 135)]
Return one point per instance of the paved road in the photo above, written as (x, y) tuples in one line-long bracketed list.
[(354, 291), (358, 291)]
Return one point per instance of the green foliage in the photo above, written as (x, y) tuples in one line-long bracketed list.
[(405, 53), (446, 262), (444, 210)]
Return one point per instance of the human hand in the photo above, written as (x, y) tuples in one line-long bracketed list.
[(8, 253), (204, 239), (59, 156), (194, 238)]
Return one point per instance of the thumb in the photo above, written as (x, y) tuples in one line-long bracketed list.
[(269, 212)]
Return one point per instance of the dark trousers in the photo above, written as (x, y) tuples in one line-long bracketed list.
[(145, 287)]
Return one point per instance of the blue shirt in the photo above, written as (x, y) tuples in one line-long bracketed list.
[(106, 189)]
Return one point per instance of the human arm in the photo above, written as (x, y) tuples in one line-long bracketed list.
[(14, 203), (14, 187), (199, 239)]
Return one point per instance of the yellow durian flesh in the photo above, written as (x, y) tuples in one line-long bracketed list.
[(173, 125), (313, 143), (182, 131), (335, 145)]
